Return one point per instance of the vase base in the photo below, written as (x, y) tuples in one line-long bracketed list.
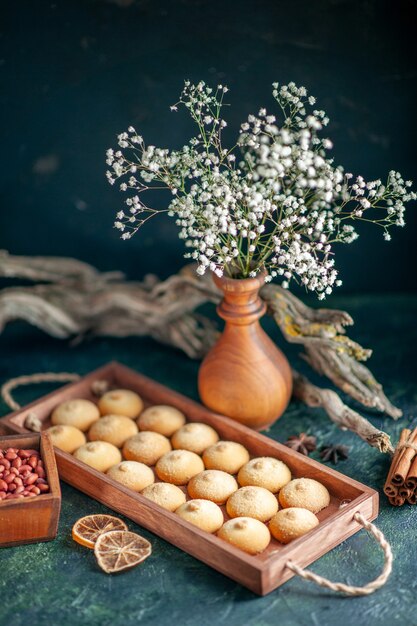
[(245, 376)]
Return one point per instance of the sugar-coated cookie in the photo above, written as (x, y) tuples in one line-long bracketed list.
[(194, 437), (66, 438), (212, 485), (113, 428), (98, 454), (121, 402), (227, 456), (161, 419), (264, 471), (179, 466), (246, 533), (289, 524), (202, 513), (168, 496), (132, 474), (256, 502), (305, 493), (77, 412), (146, 447)]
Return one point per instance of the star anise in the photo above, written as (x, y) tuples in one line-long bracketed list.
[(334, 453), (302, 443)]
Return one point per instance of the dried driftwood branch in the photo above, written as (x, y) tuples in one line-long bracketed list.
[(78, 301), (328, 350), (345, 417), (73, 299)]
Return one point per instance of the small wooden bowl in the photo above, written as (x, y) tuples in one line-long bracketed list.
[(29, 520)]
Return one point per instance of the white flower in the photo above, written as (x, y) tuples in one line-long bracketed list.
[(279, 205)]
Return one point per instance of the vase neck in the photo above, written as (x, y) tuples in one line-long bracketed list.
[(241, 304)]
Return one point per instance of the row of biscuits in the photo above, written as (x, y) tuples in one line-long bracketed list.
[(199, 460)]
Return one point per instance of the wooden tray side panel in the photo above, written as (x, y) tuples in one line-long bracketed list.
[(48, 455)]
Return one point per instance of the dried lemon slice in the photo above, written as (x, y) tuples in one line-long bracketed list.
[(118, 550), (88, 529)]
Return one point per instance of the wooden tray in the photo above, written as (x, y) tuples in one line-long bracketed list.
[(30, 520), (261, 573)]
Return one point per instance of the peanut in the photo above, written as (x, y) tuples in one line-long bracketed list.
[(32, 452), (25, 454), (22, 474), (17, 462), (40, 471), (33, 461), (30, 480)]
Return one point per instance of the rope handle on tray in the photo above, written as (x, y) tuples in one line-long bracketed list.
[(348, 589), (46, 377)]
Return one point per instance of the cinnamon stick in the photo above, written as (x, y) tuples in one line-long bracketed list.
[(389, 488), (412, 499), (401, 483), (404, 460), (411, 482), (405, 493)]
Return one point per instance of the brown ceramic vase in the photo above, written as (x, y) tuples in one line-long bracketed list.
[(245, 376)]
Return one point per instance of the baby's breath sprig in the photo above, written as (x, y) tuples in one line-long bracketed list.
[(274, 201)]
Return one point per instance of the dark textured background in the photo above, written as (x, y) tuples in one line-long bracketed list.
[(74, 73)]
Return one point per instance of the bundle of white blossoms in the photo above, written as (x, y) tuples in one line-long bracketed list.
[(273, 202)]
